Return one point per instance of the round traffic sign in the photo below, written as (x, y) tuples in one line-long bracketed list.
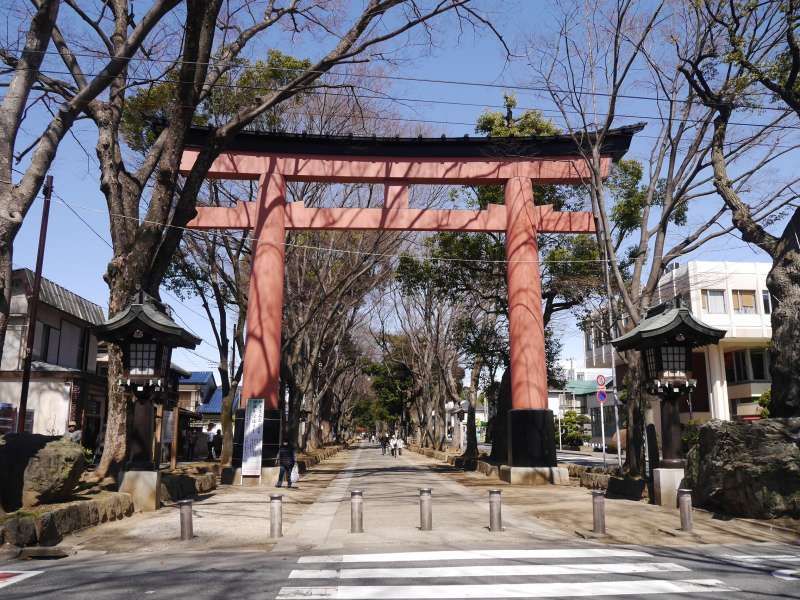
[(601, 396), (601, 380)]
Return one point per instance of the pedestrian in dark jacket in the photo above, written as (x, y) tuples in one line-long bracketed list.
[(286, 462)]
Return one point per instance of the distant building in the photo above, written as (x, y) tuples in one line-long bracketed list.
[(196, 389), (728, 295), (65, 385)]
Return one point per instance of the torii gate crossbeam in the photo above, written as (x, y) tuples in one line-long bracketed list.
[(515, 163)]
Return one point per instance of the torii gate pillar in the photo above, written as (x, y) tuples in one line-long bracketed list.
[(531, 438)]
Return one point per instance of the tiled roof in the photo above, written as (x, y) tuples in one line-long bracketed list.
[(197, 378), (214, 405), (64, 300)]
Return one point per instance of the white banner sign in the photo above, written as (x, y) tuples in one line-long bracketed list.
[(253, 437)]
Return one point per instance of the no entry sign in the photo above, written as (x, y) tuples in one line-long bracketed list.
[(601, 380)]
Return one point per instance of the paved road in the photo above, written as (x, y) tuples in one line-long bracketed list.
[(318, 558)]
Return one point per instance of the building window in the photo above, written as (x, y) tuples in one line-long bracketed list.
[(744, 302), (766, 302), (142, 359), (714, 301), (758, 362), (46, 340), (588, 337)]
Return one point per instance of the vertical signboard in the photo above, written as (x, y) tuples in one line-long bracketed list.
[(253, 437)]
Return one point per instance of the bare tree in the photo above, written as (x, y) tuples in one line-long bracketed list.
[(738, 50), (640, 210), (66, 101), (146, 204)]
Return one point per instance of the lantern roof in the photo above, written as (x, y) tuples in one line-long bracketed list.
[(147, 316), (668, 323)]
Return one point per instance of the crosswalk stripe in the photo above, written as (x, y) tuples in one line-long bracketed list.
[(762, 557), (486, 571), (510, 590), (560, 553)]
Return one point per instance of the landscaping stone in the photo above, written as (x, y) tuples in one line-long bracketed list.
[(52, 474), (594, 481), (626, 487), (16, 450), (20, 531), (47, 533), (749, 469)]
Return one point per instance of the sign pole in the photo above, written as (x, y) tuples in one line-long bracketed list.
[(616, 424), (603, 433)]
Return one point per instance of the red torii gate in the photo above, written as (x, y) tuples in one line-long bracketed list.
[(517, 163)]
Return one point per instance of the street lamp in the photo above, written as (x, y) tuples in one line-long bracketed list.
[(665, 337)]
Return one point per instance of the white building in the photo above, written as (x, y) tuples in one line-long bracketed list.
[(64, 385), (727, 295)]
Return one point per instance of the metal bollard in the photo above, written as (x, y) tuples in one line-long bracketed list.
[(275, 515), (185, 507), (356, 511), (495, 515), (599, 512), (425, 508), (685, 507)]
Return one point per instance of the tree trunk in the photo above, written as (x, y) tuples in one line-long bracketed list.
[(226, 416), (634, 461), (115, 445), (471, 451), (783, 283), (500, 420), (6, 259)]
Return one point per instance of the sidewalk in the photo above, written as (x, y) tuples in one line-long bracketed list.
[(316, 517), (569, 509)]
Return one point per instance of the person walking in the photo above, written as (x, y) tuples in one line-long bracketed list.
[(210, 441), (217, 444), (384, 443), (400, 445), (286, 461), (393, 445)]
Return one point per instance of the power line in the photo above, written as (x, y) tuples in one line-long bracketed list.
[(456, 82)]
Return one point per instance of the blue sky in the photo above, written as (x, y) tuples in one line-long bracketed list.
[(76, 257)]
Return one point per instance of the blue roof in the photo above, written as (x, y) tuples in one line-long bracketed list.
[(197, 377), (214, 405)]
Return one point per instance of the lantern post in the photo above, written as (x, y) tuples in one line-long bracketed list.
[(146, 334), (665, 338)]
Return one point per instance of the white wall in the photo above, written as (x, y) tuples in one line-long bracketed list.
[(49, 399), (13, 346)]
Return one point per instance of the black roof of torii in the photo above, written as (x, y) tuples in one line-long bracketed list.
[(615, 144)]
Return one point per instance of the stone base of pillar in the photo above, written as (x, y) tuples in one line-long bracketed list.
[(144, 487), (269, 477), (534, 475), (531, 438), (666, 483)]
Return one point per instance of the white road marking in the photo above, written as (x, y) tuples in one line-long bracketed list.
[(787, 574), (510, 590), (486, 571), (473, 555), (762, 557), (16, 576)]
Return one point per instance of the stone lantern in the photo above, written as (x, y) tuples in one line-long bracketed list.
[(146, 334), (665, 337)]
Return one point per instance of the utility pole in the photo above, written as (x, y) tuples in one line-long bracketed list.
[(33, 306)]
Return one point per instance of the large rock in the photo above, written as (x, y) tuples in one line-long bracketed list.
[(749, 469), (53, 473), (37, 468)]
